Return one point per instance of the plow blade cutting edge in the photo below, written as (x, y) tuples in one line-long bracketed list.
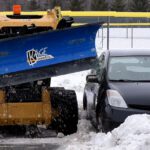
[(44, 55)]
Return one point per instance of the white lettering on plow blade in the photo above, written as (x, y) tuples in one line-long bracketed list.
[(33, 55)]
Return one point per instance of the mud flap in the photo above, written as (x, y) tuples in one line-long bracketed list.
[(44, 55)]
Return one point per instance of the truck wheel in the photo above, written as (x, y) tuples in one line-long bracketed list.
[(65, 102)]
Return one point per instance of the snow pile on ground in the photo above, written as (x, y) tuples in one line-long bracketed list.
[(133, 134), (121, 38), (74, 81)]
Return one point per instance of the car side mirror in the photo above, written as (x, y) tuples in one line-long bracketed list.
[(92, 78)]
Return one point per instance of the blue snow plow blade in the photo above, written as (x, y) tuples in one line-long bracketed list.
[(44, 55)]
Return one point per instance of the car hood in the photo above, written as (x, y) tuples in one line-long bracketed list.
[(134, 93)]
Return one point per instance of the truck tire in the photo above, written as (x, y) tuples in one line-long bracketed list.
[(65, 102)]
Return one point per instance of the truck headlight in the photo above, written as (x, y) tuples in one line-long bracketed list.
[(115, 99)]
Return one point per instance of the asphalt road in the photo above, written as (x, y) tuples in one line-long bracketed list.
[(29, 147), (19, 142)]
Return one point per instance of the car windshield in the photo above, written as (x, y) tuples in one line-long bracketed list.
[(133, 68)]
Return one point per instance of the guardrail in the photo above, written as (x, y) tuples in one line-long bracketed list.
[(106, 14), (118, 24)]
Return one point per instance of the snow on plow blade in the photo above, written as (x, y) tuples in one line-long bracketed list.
[(43, 55)]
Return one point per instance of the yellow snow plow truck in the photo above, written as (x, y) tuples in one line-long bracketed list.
[(17, 24), (33, 49)]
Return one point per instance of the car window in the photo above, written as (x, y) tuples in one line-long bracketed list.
[(135, 68)]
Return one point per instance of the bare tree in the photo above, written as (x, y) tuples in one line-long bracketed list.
[(118, 5), (56, 3), (34, 5), (76, 5), (99, 5), (140, 5)]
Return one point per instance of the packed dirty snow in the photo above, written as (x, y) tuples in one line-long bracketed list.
[(133, 134)]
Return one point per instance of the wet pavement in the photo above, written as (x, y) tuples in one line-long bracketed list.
[(29, 147)]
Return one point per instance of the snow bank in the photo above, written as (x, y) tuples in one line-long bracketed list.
[(120, 38), (133, 134), (74, 81)]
